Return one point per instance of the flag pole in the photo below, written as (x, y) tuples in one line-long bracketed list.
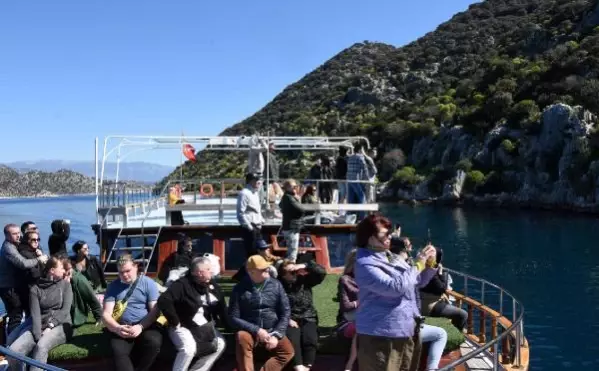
[(181, 158)]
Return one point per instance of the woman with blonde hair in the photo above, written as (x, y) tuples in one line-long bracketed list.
[(347, 294)]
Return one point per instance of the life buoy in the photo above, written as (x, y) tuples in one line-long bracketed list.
[(206, 190)]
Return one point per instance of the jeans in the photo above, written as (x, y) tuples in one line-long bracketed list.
[(147, 346), (186, 346), (437, 337), (305, 342), (18, 331), (15, 303), (26, 345), (356, 194), (342, 192), (458, 316), (292, 240)]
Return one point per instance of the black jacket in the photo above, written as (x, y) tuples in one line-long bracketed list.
[(93, 272), (252, 308), (292, 212), (180, 258), (57, 242), (184, 297), (437, 285), (31, 275), (300, 292)]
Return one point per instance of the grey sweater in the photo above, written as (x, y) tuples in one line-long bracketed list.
[(50, 303), (11, 263), (249, 210)]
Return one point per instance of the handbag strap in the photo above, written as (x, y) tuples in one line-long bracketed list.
[(131, 289)]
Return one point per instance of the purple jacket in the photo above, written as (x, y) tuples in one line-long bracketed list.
[(388, 301)]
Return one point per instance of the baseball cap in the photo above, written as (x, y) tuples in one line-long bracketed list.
[(261, 245), (257, 262)]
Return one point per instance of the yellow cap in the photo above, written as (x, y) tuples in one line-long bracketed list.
[(257, 262)]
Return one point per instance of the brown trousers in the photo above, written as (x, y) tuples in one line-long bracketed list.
[(246, 344), (376, 353)]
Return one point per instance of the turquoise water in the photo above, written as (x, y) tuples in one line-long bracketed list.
[(547, 260)]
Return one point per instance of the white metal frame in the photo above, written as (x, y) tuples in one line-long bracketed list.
[(125, 146)]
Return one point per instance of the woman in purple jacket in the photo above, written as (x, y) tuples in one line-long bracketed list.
[(386, 316)]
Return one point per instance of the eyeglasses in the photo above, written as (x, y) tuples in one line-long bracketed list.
[(384, 234), (34, 240)]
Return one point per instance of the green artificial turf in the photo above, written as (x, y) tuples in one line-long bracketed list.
[(90, 342)]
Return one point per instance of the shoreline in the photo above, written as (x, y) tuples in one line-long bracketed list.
[(52, 195)]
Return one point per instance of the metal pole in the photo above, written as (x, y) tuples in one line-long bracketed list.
[(103, 160), (518, 337), (118, 164), (267, 169), (501, 302), (97, 185), (483, 293), (181, 157), (495, 356)]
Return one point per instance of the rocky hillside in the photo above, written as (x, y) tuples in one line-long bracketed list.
[(497, 104), (39, 183)]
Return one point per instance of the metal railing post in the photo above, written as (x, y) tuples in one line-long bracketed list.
[(518, 336), (482, 300), (495, 356)]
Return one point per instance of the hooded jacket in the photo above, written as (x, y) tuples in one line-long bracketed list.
[(93, 272), (50, 303), (11, 264), (57, 242), (84, 300)]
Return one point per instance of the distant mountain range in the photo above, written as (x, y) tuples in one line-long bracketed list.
[(137, 171)]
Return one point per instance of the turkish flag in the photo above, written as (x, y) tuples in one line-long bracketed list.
[(189, 152)]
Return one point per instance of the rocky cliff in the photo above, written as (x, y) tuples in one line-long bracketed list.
[(40, 183), (496, 105)]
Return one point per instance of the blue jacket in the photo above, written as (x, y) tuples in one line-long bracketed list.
[(387, 295), (251, 309)]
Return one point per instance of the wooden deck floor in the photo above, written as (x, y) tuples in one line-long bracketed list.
[(479, 363)]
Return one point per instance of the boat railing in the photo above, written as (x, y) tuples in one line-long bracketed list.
[(28, 361), (491, 304)]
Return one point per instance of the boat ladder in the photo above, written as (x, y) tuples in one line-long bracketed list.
[(140, 246)]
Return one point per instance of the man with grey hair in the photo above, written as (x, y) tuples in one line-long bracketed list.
[(14, 294), (193, 305)]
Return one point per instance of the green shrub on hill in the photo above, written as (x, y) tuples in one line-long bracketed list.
[(499, 61)]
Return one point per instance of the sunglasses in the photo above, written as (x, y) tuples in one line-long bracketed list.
[(34, 240)]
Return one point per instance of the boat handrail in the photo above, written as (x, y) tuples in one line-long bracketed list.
[(27, 360), (120, 195), (513, 327)]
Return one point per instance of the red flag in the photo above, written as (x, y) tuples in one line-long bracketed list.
[(189, 152)]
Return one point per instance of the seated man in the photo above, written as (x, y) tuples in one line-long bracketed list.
[(177, 264), (130, 314), (259, 310)]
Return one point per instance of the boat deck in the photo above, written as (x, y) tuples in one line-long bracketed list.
[(480, 362), (214, 211)]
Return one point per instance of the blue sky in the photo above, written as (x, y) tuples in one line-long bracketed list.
[(74, 70)]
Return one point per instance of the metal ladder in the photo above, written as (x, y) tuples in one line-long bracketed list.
[(140, 253)]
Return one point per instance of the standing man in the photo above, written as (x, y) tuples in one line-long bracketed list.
[(358, 171), (249, 212), (11, 265), (370, 157)]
